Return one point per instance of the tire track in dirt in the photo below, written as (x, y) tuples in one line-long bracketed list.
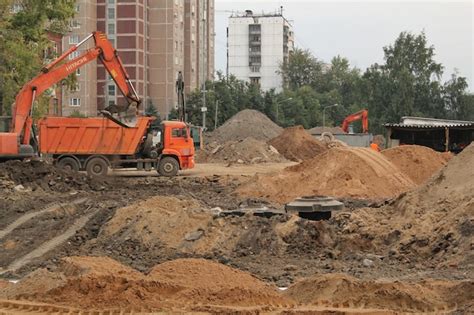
[(28, 216), (51, 244)]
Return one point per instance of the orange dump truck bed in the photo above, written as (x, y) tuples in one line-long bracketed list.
[(59, 135)]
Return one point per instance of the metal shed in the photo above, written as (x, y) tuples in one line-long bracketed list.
[(438, 134)]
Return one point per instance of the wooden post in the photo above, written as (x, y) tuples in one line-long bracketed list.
[(446, 135), (388, 140)]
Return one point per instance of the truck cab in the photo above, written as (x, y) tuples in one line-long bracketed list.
[(177, 148)]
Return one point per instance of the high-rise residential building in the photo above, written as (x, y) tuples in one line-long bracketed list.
[(83, 97), (257, 46), (156, 39)]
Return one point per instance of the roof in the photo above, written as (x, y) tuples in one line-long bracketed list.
[(430, 123)]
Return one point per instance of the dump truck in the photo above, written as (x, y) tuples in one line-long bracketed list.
[(117, 139), (98, 144)]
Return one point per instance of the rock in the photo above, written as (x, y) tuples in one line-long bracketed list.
[(194, 236), (367, 262), (240, 161), (290, 267), (19, 187)]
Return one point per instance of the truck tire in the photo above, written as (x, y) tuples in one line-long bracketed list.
[(97, 167), (168, 167), (68, 164)]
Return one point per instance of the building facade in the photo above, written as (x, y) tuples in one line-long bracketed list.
[(257, 45), (156, 39)]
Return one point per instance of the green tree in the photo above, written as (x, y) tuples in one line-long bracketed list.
[(301, 69), (23, 41), (409, 83)]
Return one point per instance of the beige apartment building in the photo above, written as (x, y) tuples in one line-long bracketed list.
[(155, 39)]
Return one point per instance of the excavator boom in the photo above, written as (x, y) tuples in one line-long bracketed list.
[(360, 115), (55, 72)]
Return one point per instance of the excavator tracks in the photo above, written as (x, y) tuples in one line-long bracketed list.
[(49, 244)]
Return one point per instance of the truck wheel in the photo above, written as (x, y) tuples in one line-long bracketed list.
[(168, 167), (97, 167), (68, 164)]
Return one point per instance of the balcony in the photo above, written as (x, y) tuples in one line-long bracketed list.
[(255, 53)]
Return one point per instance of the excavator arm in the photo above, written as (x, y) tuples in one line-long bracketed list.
[(53, 73), (360, 115)]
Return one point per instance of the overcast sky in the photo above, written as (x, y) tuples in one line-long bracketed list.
[(358, 30)]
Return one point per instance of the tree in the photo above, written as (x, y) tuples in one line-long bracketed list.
[(409, 83), (23, 35), (458, 103), (301, 69)]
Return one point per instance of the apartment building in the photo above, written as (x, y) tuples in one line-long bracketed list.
[(156, 39), (257, 45)]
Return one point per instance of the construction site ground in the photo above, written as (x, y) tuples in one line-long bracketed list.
[(130, 243)]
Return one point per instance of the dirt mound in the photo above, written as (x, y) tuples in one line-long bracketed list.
[(244, 124), (340, 172), (37, 174), (206, 282), (248, 151), (418, 162), (99, 282), (434, 222), (342, 290), (296, 144)]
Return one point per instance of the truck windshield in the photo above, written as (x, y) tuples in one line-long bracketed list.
[(179, 133)]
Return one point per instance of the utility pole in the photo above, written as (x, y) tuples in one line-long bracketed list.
[(204, 107), (215, 116)]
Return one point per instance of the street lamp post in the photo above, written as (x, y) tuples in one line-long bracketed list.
[(324, 114)]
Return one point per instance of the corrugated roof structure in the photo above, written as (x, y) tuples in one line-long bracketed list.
[(430, 123)]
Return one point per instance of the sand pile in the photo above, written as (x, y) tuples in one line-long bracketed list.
[(434, 223), (247, 151), (40, 175), (100, 282), (418, 162), (296, 144), (341, 290), (245, 124), (339, 172)]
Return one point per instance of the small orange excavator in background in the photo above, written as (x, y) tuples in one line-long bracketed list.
[(17, 142), (360, 115), (96, 144)]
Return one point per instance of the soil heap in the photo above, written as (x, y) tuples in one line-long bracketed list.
[(40, 175), (246, 123), (433, 223), (296, 144), (340, 172), (418, 162), (341, 290), (100, 282), (248, 151)]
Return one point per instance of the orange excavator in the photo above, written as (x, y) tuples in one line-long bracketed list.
[(20, 142), (360, 115)]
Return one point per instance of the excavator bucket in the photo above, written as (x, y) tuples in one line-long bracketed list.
[(125, 117)]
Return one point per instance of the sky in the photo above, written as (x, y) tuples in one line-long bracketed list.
[(358, 30)]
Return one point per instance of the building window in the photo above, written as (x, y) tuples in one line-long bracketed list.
[(78, 72), (111, 1), (74, 54), (255, 81), (74, 24), (76, 87), (74, 39), (111, 28), (111, 90), (255, 69), (74, 102), (78, 8), (111, 13)]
